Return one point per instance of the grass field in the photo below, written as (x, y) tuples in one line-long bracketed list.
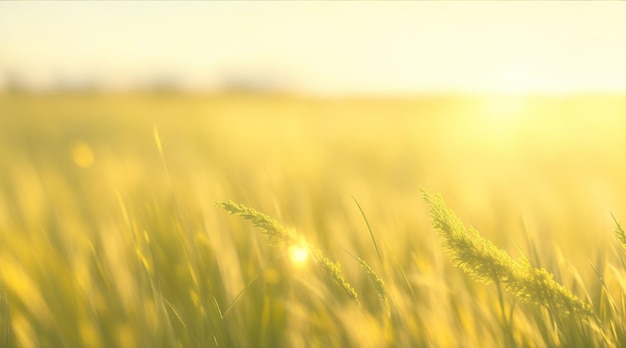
[(110, 235)]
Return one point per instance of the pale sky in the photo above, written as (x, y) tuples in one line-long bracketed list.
[(320, 47)]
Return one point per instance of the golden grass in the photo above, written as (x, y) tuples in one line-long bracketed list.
[(109, 234)]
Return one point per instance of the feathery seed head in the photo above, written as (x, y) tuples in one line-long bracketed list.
[(483, 261), (276, 233)]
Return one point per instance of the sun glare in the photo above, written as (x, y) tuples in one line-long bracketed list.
[(517, 80), (509, 89), (298, 254)]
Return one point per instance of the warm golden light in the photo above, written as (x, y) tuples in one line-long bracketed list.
[(421, 47), (518, 80), (298, 254), (502, 109)]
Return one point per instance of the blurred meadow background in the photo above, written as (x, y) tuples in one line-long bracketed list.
[(122, 124)]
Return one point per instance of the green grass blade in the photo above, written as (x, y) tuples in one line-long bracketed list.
[(369, 229)]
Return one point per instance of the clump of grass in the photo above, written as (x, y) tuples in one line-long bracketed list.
[(276, 234), (483, 261)]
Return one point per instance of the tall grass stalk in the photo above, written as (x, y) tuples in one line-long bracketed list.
[(369, 229), (276, 233), (378, 283)]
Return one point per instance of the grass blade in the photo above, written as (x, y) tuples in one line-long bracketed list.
[(369, 229)]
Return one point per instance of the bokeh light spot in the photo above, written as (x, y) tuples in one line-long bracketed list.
[(82, 154)]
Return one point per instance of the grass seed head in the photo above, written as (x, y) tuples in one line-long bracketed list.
[(276, 233), (483, 261)]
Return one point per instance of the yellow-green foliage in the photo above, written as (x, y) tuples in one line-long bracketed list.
[(484, 261), (109, 235)]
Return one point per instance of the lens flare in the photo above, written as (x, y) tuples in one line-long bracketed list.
[(298, 254)]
